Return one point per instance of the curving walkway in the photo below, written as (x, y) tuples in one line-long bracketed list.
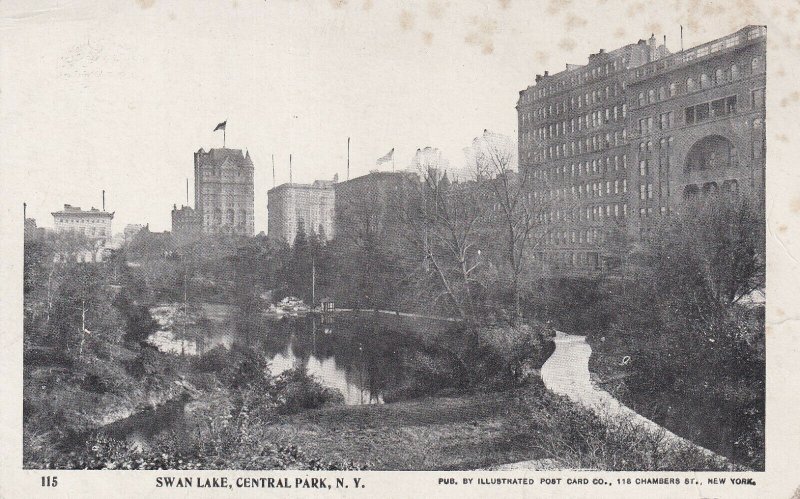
[(566, 373)]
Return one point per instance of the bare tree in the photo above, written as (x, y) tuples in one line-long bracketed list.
[(517, 212), (444, 223)]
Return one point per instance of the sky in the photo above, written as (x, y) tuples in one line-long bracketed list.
[(118, 95)]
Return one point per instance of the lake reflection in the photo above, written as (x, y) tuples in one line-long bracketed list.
[(362, 356)]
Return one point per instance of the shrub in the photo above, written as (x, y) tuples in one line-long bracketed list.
[(295, 390)]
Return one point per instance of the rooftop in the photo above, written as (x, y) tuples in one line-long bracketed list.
[(218, 156), (76, 210)]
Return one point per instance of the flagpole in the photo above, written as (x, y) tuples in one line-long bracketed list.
[(348, 158), (273, 170)]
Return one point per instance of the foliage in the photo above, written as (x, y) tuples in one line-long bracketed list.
[(295, 390), (578, 438)]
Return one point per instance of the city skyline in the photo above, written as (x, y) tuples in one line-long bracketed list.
[(297, 88)]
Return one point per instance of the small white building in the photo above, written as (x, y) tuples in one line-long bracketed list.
[(93, 223)]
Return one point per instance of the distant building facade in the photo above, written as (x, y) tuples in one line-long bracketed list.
[(94, 224), (224, 192), (373, 203), (610, 143), (130, 231), (186, 222), (310, 206)]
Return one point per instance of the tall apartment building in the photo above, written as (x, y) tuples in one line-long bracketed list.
[(224, 193), (697, 125), (609, 142), (291, 206)]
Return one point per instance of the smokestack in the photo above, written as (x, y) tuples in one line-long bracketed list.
[(187, 191), (104, 200), (290, 168), (348, 158)]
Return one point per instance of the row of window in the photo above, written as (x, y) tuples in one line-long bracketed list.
[(709, 110), (593, 213), (81, 221), (594, 119), (579, 101), (665, 122), (581, 236), (589, 144), (587, 190), (721, 76), (596, 166), (579, 78)]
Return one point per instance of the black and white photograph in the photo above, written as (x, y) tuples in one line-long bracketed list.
[(505, 238)]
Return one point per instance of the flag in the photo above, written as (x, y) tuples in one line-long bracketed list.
[(221, 126), (385, 158)]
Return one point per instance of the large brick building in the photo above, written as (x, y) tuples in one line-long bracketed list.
[(697, 125), (310, 206), (610, 143), (223, 191)]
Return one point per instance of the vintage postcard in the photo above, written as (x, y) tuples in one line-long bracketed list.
[(512, 248)]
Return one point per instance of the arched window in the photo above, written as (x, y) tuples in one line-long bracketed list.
[(705, 82), (734, 71), (651, 95), (755, 65), (689, 84), (662, 92), (641, 99), (719, 76), (230, 217)]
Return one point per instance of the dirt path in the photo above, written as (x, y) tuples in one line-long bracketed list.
[(566, 373)]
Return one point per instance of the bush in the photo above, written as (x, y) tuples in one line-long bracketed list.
[(295, 390), (578, 438)]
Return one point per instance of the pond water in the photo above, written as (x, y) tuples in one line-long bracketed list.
[(361, 355)]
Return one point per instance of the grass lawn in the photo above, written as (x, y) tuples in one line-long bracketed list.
[(451, 433)]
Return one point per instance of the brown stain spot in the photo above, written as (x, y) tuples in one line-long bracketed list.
[(427, 38), (780, 312), (780, 72), (782, 137), (567, 44), (782, 228), (792, 98), (655, 28), (572, 21), (172, 16), (504, 3), (367, 5), (436, 9), (635, 9), (406, 19), (795, 205), (145, 4), (619, 32), (482, 34), (541, 56), (556, 6), (338, 4)]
